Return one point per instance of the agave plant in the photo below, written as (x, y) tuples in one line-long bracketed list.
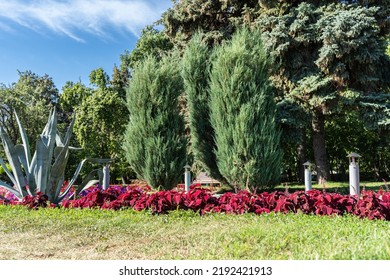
[(45, 170)]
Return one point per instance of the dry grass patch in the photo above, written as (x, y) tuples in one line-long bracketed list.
[(96, 234)]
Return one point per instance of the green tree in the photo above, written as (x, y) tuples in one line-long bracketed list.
[(293, 121), (101, 120), (71, 97), (295, 37), (39, 87), (330, 58), (151, 42), (217, 19), (31, 97), (372, 145), (154, 141), (243, 113), (196, 65), (99, 78)]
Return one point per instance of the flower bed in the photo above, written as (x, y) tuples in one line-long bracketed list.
[(371, 205)]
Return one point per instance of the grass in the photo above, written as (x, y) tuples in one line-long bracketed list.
[(95, 234)]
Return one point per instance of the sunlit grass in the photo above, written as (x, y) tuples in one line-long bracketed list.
[(97, 234)]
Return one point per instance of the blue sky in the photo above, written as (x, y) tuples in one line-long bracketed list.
[(66, 39)]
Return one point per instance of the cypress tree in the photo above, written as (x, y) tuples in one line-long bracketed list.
[(154, 143), (243, 113), (195, 73)]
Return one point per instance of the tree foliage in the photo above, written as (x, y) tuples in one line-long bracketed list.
[(329, 53), (71, 97), (31, 97), (243, 113), (330, 58), (101, 120), (196, 64), (154, 140), (217, 19), (151, 42)]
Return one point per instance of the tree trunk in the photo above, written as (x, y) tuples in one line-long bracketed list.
[(302, 155), (319, 146)]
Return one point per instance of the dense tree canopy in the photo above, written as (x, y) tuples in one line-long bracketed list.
[(151, 42), (330, 55), (31, 97), (330, 59), (101, 119)]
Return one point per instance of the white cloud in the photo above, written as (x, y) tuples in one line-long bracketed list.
[(5, 27), (72, 17)]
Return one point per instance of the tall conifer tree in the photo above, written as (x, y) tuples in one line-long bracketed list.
[(243, 113), (195, 72), (154, 140)]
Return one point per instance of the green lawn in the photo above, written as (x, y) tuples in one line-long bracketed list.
[(97, 234)]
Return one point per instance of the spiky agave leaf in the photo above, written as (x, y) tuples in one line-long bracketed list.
[(26, 143), (57, 174), (88, 181), (40, 174), (61, 156), (10, 189), (25, 165), (24, 154), (9, 174), (14, 162), (44, 153), (72, 181)]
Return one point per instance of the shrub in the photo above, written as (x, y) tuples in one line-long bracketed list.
[(243, 113), (44, 171), (196, 65), (154, 141)]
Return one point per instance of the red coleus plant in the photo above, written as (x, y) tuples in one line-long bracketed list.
[(40, 200), (370, 205), (238, 203), (374, 205)]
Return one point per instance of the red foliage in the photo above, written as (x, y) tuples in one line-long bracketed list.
[(39, 200), (371, 205), (239, 203)]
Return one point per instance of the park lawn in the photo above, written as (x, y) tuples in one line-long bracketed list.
[(91, 234)]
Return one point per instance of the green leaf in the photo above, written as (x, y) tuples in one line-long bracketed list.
[(44, 153), (70, 130), (70, 184), (6, 170), (88, 181), (13, 160), (11, 189), (57, 173), (22, 158), (26, 144), (31, 179)]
